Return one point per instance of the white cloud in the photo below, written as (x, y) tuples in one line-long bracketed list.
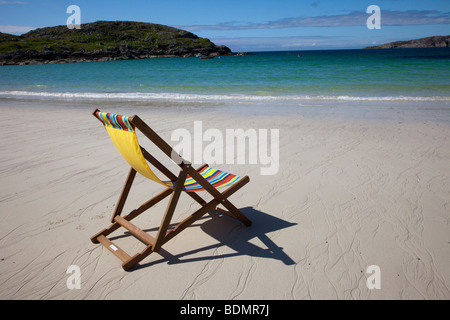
[(12, 2), (355, 18), (290, 43), (15, 29)]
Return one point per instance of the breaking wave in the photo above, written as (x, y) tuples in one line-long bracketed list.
[(143, 96)]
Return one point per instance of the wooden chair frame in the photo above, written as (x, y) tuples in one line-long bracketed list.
[(164, 233)]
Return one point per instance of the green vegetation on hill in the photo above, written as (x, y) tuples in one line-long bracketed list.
[(103, 40)]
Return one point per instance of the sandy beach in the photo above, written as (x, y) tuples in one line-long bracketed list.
[(356, 187)]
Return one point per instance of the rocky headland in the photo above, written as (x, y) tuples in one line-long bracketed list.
[(429, 42), (103, 41)]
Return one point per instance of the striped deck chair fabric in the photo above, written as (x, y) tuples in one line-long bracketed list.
[(216, 178)]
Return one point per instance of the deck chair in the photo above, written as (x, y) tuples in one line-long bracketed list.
[(122, 130)]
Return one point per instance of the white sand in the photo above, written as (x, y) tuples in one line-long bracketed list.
[(351, 192)]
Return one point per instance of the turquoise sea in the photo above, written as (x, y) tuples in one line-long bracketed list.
[(392, 74)]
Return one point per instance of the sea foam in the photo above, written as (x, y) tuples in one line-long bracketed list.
[(144, 96)]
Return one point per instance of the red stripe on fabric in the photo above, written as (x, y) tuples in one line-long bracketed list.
[(226, 180), (122, 124), (195, 186), (214, 175), (108, 116), (195, 182), (204, 169)]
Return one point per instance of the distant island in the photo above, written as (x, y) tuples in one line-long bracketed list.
[(103, 41), (429, 42)]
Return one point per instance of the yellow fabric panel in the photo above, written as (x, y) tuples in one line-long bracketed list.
[(127, 144)]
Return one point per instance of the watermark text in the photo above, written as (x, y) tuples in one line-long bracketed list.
[(374, 280), (235, 146), (74, 20), (374, 21), (74, 280)]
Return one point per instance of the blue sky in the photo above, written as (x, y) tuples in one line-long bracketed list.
[(251, 25)]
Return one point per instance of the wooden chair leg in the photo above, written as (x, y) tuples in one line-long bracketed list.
[(170, 208), (236, 213), (134, 260), (124, 194)]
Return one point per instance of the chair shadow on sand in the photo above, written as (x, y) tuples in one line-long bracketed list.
[(228, 232)]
